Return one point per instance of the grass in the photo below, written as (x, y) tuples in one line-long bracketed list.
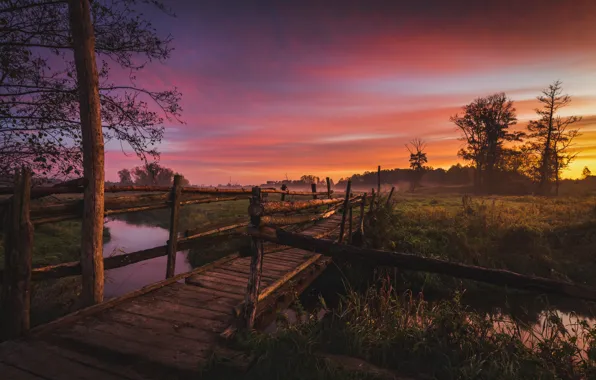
[(403, 335), (547, 237)]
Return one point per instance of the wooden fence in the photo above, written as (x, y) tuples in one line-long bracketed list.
[(21, 215)]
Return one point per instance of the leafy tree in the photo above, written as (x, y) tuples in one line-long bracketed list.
[(151, 174), (39, 121), (418, 160), (485, 127), (552, 136), (586, 172)]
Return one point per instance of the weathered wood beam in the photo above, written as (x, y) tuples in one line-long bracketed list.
[(418, 263), (256, 264), (328, 187), (173, 233), (277, 207), (345, 210), (18, 245), (195, 233)]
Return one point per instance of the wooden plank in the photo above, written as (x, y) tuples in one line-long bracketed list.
[(124, 370), (242, 273), (39, 330), (114, 348), (13, 373), (217, 304), (150, 326), (218, 278), (48, 365), (272, 264), (170, 311), (229, 288)]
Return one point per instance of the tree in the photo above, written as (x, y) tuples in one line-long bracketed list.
[(125, 177), (485, 127), (586, 172), (83, 41), (552, 136), (39, 121), (151, 174), (418, 160)]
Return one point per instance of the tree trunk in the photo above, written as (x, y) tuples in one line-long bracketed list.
[(93, 151)]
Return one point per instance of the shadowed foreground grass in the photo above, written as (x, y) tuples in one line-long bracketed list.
[(402, 336)]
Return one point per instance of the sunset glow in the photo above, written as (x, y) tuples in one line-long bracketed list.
[(274, 89)]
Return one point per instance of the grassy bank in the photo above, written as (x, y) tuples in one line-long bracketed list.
[(396, 335)]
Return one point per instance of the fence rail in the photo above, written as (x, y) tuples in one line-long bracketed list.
[(20, 212)]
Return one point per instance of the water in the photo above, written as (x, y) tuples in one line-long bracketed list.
[(126, 238)]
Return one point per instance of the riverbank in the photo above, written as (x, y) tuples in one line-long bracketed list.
[(458, 329)]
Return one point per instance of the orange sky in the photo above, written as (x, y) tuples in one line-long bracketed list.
[(334, 88)]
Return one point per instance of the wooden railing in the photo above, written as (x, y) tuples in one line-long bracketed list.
[(21, 215), (264, 215)]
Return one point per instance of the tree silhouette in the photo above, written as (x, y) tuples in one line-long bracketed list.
[(39, 121), (485, 127), (586, 172), (552, 136), (418, 160)]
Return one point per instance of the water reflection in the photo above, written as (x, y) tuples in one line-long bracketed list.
[(126, 238)]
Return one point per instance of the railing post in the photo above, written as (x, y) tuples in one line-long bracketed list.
[(313, 187), (379, 184), (284, 188), (18, 243), (372, 202), (361, 221), (328, 187), (256, 261), (342, 226), (350, 226), (173, 238), (389, 197)]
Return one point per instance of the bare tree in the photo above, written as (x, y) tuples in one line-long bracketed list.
[(418, 161), (586, 172), (485, 127), (39, 110), (552, 136)]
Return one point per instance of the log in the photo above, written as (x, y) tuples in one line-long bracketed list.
[(194, 234), (425, 264), (345, 210), (256, 265), (77, 182), (295, 219), (390, 194), (173, 236), (277, 207), (18, 244)]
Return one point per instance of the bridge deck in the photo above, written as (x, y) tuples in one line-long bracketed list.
[(167, 333)]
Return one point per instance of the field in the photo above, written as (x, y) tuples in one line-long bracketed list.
[(388, 322)]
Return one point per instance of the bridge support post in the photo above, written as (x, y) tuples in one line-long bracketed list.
[(328, 187), (372, 201), (173, 238), (18, 243), (342, 226), (313, 187), (256, 261)]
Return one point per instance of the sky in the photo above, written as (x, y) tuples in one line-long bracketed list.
[(285, 88)]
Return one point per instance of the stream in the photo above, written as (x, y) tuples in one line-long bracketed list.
[(126, 238)]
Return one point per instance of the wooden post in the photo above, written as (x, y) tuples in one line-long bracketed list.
[(379, 184), (18, 242), (361, 221), (256, 261), (174, 216), (344, 212), (390, 194), (350, 227), (372, 202), (328, 187), (83, 42), (313, 187)]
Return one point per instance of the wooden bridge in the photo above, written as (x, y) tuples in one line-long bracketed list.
[(170, 329)]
